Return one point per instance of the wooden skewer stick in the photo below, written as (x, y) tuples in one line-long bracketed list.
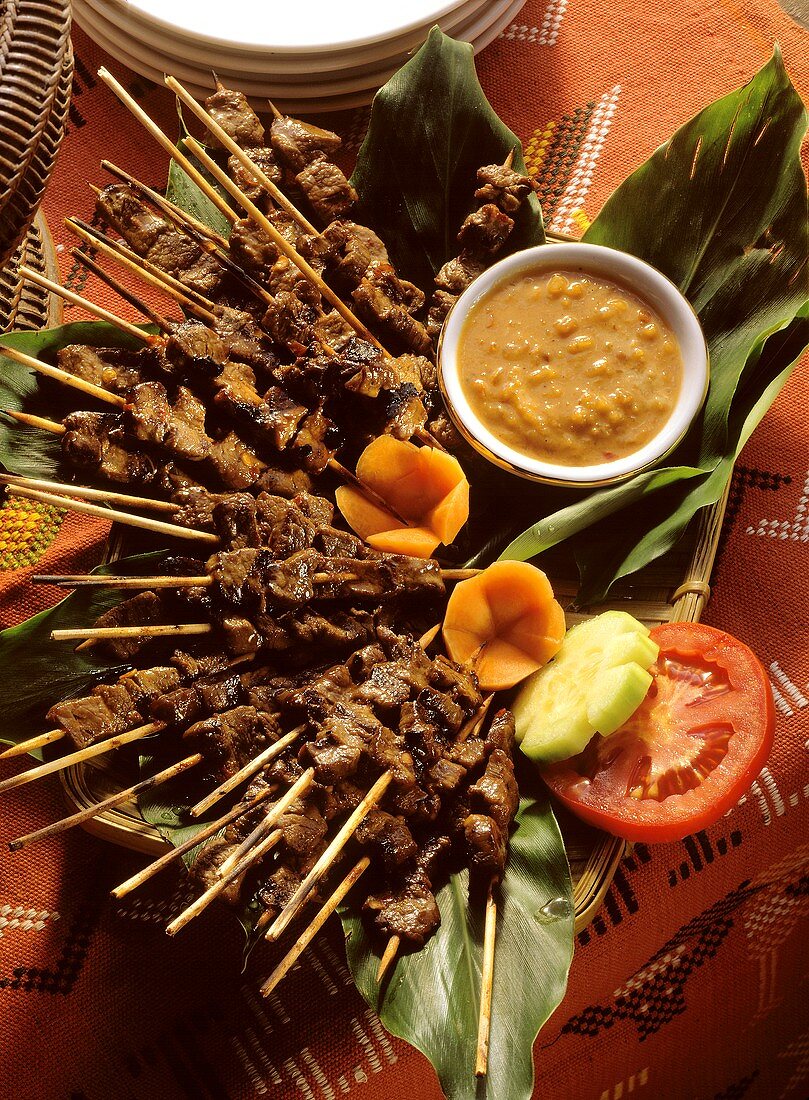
[(96, 580), (205, 580), (245, 772), (114, 800), (190, 300), (366, 490), (309, 933), (282, 244), (62, 376), (459, 574), (102, 633), (324, 863), (98, 311), (127, 295), (87, 753), (205, 833), (429, 636), (215, 889), (274, 110), (487, 978), (276, 811), (164, 205), (158, 526), (389, 954), (224, 138), (476, 721), (166, 142), (32, 743), (32, 421), (65, 489)]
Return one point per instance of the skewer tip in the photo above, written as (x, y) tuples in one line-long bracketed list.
[(388, 957)]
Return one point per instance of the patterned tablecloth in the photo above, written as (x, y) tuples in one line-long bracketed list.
[(692, 979)]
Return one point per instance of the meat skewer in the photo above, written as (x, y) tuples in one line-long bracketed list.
[(175, 213), (38, 742), (216, 888), (62, 376), (103, 633), (107, 804), (205, 833), (114, 515), (282, 243), (486, 980), (314, 926), (193, 302), (224, 138), (324, 863), (61, 489), (388, 955), (246, 772), (88, 753), (168, 145)]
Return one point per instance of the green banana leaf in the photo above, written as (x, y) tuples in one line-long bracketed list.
[(35, 672), (432, 996), (721, 209), (183, 192), (31, 451), (431, 129)]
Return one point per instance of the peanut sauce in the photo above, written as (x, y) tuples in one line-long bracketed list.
[(569, 368)]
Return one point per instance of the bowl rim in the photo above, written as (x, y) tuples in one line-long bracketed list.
[(640, 278)]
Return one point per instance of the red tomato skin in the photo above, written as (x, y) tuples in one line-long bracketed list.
[(682, 638)]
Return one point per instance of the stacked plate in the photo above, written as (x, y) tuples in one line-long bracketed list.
[(306, 55)]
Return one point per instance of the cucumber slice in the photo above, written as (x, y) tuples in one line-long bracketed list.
[(595, 683), (617, 693)]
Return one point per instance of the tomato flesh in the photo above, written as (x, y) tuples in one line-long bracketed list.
[(689, 752)]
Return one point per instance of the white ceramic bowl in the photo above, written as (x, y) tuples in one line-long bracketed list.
[(636, 275)]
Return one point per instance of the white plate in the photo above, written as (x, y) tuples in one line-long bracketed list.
[(302, 27), (251, 58), (343, 95), (121, 27)]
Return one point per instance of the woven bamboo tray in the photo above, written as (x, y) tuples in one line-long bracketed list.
[(36, 73), (676, 589)]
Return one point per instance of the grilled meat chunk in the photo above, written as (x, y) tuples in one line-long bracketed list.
[(387, 839), (298, 143), (236, 117), (326, 187), (502, 186), (186, 435), (264, 158), (230, 739), (152, 237), (376, 307), (96, 441), (193, 349), (485, 231), (142, 610), (303, 830), (140, 227), (114, 369), (252, 249), (459, 273), (405, 412), (411, 911)]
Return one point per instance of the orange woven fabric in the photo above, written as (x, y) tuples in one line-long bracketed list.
[(691, 981)]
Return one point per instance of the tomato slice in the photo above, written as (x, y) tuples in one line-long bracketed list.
[(689, 752)]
